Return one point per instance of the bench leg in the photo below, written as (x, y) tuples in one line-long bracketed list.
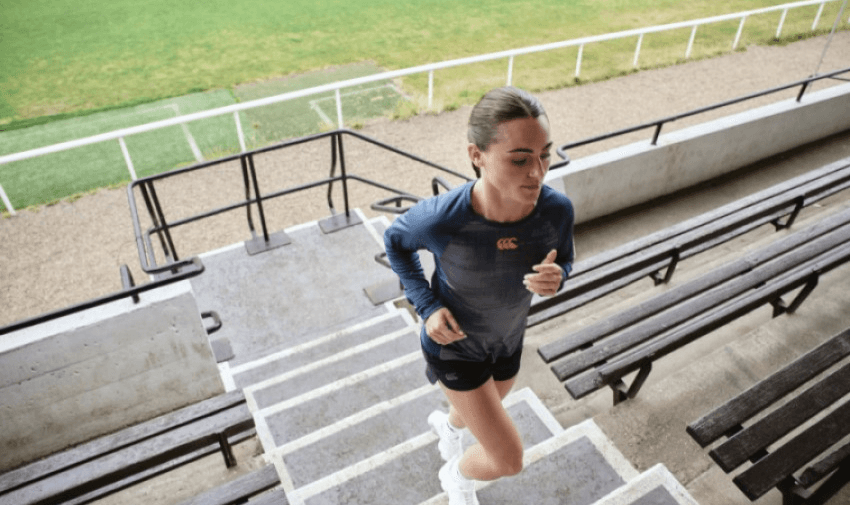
[(779, 306), (795, 494), (798, 205), (674, 260), (226, 450), (622, 393)]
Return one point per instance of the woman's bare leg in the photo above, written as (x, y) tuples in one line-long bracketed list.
[(498, 452), (504, 388)]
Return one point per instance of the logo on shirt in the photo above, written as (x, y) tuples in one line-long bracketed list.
[(507, 244)]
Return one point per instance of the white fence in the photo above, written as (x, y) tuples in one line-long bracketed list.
[(429, 68)]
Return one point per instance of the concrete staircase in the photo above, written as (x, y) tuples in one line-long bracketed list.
[(340, 398)]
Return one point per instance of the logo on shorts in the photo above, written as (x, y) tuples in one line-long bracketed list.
[(507, 244)]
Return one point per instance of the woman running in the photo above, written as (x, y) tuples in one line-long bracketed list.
[(495, 241)]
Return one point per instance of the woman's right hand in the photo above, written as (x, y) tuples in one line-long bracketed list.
[(442, 327)]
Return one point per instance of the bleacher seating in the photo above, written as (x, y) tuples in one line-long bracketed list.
[(766, 425), (604, 353), (110, 463)]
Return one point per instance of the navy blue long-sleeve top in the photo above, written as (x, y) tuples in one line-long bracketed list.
[(480, 267)]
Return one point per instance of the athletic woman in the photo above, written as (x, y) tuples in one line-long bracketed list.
[(496, 241)]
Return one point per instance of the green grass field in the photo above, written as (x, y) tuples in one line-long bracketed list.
[(74, 70)]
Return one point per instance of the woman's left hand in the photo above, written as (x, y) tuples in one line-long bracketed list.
[(548, 277)]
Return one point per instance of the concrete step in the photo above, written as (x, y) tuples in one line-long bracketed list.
[(293, 294), (656, 486), (292, 359)]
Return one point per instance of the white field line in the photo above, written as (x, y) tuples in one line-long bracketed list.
[(353, 351), (334, 386), (270, 358)]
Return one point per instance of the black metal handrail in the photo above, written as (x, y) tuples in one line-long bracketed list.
[(162, 228), (659, 123), (191, 268)]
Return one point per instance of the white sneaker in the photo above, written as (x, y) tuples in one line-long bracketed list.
[(451, 439), (461, 491)]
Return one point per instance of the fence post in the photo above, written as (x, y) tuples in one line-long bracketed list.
[(817, 16), (339, 109), (578, 59), (637, 51), (430, 88), (127, 158), (6, 201), (781, 22), (691, 42), (239, 131), (510, 70), (738, 35)]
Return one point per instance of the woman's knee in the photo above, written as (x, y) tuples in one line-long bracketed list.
[(512, 464)]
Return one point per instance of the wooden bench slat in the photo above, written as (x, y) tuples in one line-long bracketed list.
[(629, 317), (825, 466), (135, 458), (819, 255), (713, 425), (741, 447), (795, 454), (698, 234), (81, 453), (238, 489), (772, 290)]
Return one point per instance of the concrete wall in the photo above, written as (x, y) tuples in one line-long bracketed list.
[(98, 371), (607, 182)]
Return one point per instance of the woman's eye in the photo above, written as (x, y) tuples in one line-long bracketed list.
[(546, 155), (519, 163)]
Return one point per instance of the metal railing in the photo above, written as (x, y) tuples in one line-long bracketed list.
[(336, 87), (658, 124), (263, 239)]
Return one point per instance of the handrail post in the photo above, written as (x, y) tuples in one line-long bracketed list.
[(344, 175), (657, 133), (802, 90), (244, 163), (333, 172), (6, 201), (253, 171)]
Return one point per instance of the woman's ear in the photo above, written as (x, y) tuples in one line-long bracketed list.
[(475, 155)]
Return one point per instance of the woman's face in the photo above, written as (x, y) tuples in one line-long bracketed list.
[(516, 161)]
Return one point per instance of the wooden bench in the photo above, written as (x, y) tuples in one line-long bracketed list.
[(816, 417), (657, 255), (241, 489), (113, 462), (604, 353)]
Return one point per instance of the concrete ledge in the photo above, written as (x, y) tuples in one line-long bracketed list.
[(614, 180), (95, 372)]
